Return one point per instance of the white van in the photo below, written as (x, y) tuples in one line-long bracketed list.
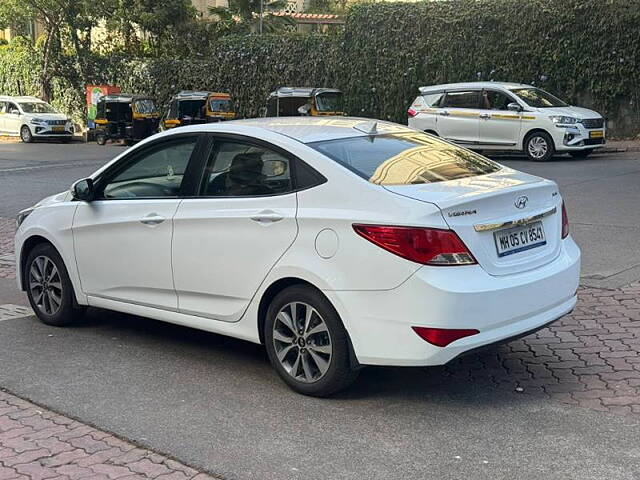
[(32, 118), (507, 116)]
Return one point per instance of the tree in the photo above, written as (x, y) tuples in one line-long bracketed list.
[(243, 16)]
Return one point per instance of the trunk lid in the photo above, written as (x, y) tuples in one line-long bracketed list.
[(477, 207)]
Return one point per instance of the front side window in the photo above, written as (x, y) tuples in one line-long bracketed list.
[(223, 105), (157, 172), (466, 99), (492, 100), (12, 108), (238, 169), (36, 107), (405, 158), (536, 98)]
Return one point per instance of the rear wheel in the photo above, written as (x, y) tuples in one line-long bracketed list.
[(581, 153), (307, 344), (101, 138), (539, 146), (48, 287), (25, 134)]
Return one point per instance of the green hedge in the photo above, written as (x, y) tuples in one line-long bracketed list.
[(587, 51)]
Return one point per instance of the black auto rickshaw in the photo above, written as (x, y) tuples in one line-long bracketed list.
[(125, 117), (192, 108), (305, 101)]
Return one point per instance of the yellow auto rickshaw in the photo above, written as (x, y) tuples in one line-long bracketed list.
[(192, 108), (304, 101), (126, 117)]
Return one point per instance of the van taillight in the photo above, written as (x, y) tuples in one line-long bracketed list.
[(411, 112)]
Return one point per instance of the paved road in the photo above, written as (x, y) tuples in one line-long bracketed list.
[(215, 403)]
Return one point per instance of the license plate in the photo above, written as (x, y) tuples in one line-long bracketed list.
[(596, 134), (519, 239), (57, 128)]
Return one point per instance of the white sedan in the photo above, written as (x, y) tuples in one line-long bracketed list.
[(335, 242)]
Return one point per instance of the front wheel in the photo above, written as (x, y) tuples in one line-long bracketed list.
[(539, 147), (26, 135), (581, 153), (49, 288), (101, 138), (307, 343)]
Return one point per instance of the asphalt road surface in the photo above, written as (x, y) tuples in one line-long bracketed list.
[(215, 402)]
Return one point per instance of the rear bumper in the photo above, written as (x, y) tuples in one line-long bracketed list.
[(500, 307)]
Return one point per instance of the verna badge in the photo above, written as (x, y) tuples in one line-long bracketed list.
[(521, 202)]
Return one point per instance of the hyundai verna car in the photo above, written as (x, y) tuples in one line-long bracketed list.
[(30, 118), (335, 242), (507, 116)]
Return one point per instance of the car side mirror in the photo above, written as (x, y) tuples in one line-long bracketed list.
[(514, 107), (83, 190)]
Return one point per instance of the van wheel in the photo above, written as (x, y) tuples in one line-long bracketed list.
[(48, 287), (581, 153), (539, 146), (101, 138), (26, 135), (307, 344)]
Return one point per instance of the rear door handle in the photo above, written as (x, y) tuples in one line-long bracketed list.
[(486, 116), (267, 216), (152, 219)]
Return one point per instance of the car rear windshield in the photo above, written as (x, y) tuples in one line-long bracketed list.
[(405, 158), (536, 98)]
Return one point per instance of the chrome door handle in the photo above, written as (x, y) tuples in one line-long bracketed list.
[(444, 113), (486, 116), (152, 219), (267, 216)]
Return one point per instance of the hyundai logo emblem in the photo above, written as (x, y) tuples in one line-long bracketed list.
[(521, 202)]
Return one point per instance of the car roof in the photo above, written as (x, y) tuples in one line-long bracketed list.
[(21, 99), (303, 129), (464, 85)]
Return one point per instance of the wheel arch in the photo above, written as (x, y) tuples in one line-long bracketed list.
[(431, 132), (531, 131), (278, 286), (27, 246)]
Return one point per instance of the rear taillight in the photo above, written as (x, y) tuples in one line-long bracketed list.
[(411, 112), (565, 222), (441, 337), (429, 246)]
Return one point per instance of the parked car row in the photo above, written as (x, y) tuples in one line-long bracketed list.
[(487, 116)]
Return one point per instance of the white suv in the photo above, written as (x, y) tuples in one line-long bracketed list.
[(507, 116), (32, 118)]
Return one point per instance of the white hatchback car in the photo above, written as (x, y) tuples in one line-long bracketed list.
[(336, 242), (32, 118), (507, 116)]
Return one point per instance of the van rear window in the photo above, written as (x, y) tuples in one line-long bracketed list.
[(405, 158)]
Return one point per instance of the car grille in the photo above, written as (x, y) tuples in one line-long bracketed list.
[(593, 122), (56, 122)]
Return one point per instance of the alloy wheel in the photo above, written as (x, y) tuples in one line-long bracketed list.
[(25, 134), (538, 147), (45, 285), (302, 342)]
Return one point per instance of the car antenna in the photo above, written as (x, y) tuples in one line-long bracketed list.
[(370, 128)]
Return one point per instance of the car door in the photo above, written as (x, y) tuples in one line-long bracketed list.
[(12, 119), (458, 119), (228, 238), (499, 126), (122, 239)]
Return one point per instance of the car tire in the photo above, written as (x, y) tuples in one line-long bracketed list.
[(49, 288), (581, 153), (315, 360), (101, 138), (25, 134), (538, 146)]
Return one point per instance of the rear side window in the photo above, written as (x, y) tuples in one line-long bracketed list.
[(432, 99), (466, 99), (405, 158)]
